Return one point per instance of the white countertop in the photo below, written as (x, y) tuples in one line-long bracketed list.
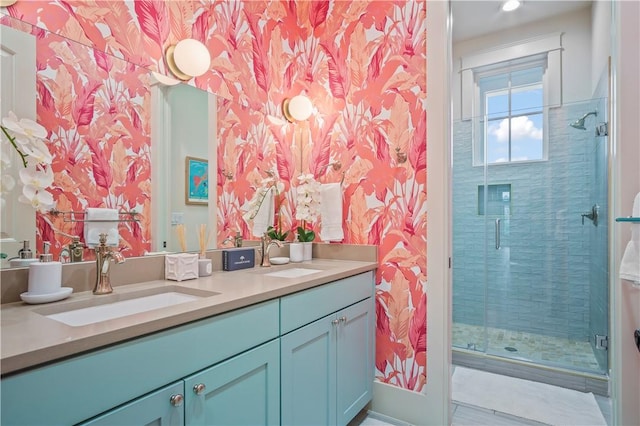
[(29, 338)]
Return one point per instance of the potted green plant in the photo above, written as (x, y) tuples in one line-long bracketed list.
[(277, 234)]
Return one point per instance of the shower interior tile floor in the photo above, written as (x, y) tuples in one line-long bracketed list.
[(528, 346)]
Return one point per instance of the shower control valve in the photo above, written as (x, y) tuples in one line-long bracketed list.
[(592, 215)]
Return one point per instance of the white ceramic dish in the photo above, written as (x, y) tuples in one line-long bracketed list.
[(34, 299), (279, 260)]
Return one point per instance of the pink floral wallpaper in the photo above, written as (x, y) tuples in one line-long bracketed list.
[(95, 109), (363, 65)]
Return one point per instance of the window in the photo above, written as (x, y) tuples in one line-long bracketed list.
[(511, 114), (508, 83)]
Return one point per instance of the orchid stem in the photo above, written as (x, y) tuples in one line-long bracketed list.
[(23, 157)]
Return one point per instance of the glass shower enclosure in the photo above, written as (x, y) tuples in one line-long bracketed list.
[(530, 239)]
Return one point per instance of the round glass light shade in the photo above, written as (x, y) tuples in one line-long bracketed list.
[(163, 79), (7, 3), (298, 108), (510, 5), (191, 57)]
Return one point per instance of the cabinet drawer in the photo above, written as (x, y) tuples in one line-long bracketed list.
[(108, 377), (155, 408), (304, 307)]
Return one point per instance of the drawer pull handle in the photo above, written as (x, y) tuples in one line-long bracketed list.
[(199, 388), (335, 321), (176, 400), (343, 319)]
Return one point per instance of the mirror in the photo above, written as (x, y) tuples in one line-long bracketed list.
[(107, 141)]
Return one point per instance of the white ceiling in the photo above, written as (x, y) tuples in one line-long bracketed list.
[(473, 18)]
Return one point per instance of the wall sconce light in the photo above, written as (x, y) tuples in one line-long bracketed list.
[(7, 3), (298, 108), (188, 58)]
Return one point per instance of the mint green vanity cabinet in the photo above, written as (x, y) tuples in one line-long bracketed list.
[(305, 358), (244, 390), (79, 388), (327, 365)]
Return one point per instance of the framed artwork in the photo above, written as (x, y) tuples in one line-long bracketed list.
[(196, 181)]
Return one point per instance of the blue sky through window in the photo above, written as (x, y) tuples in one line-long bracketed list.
[(514, 135)]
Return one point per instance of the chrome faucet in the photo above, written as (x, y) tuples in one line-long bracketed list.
[(265, 245), (104, 254), (237, 240), (74, 252)]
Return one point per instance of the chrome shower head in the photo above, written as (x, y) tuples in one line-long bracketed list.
[(579, 124)]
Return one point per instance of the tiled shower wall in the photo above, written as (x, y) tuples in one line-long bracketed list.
[(539, 280)]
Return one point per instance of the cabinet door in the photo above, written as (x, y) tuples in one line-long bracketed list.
[(355, 362), (244, 390), (162, 408), (308, 357)]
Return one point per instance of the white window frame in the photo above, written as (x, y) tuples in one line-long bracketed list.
[(547, 46), (480, 123)]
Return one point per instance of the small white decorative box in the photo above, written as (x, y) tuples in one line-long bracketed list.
[(181, 266)]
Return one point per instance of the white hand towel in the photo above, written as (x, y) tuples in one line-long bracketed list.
[(630, 264), (264, 217), (92, 230), (331, 212)]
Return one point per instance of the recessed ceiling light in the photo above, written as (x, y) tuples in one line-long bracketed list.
[(510, 5)]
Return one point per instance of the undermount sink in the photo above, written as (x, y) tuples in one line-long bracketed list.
[(293, 272), (103, 308)]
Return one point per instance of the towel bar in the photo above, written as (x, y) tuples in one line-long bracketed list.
[(628, 219), (66, 219)]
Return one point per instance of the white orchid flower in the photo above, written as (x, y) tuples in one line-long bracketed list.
[(40, 179), (38, 151), (307, 198), (24, 127), (305, 178), (39, 199)]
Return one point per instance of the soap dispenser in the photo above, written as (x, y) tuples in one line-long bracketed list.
[(25, 256), (45, 276), (25, 251)]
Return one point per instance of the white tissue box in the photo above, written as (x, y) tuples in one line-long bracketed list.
[(181, 266)]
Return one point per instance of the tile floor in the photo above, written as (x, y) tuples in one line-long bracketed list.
[(464, 415), (529, 346), (471, 416)]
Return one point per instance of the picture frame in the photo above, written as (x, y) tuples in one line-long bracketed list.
[(196, 181)]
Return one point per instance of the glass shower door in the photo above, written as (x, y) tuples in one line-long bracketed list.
[(469, 267), (529, 265)]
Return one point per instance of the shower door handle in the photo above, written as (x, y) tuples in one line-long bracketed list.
[(497, 234)]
